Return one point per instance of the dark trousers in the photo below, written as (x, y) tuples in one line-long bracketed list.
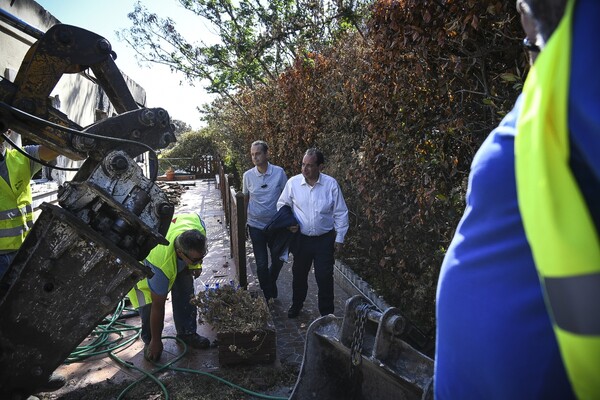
[(267, 276), (317, 251), (184, 313)]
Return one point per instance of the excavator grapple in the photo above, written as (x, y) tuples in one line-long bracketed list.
[(82, 257)]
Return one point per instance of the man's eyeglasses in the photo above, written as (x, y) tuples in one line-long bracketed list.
[(194, 261)]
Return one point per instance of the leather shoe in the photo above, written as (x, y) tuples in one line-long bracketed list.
[(294, 311), (194, 340)]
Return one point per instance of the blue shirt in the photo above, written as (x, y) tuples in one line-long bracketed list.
[(494, 337), (263, 190)]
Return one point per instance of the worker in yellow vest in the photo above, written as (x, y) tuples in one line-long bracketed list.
[(174, 266), (558, 188), (16, 211), (518, 301)]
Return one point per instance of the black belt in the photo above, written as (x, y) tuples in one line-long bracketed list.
[(315, 237)]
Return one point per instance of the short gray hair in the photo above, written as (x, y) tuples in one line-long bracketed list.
[(262, 143)]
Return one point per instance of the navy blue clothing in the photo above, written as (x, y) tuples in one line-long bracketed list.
[(494, 336), (267, 274), (317, 251), (584, 109), (184, 313), (282, 240)]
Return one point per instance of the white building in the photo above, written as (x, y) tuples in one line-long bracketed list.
[(83, 101)]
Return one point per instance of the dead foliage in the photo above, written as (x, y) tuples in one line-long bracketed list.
[(399, 113), (229, 309)]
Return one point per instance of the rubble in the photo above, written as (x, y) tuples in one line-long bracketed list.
[(245, 329), (172, 190), (229, 309)]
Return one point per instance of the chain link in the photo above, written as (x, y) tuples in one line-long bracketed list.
[(362, 312)]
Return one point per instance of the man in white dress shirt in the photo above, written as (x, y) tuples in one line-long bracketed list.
[(318, 204)]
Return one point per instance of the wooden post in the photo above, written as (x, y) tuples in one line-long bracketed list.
[(237, 235), (241, 238)]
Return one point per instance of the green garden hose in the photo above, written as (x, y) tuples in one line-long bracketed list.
[(103, 344)]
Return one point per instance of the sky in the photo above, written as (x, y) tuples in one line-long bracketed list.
[(163, 89)]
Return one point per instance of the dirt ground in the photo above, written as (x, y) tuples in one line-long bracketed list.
[(271, 381)]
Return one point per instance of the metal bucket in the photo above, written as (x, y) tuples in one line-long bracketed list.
[(62, 282), (362, 357)]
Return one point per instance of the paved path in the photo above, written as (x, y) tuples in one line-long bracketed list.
[(203, 197)]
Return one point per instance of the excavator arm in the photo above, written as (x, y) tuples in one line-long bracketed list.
[(81, 258)]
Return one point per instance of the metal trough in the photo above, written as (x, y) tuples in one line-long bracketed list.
[(362, 357)]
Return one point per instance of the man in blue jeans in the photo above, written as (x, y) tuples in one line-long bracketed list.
[(174, 266), (262, 186)]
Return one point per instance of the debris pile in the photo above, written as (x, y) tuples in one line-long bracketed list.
[(245, 330), (228, 309), (172, 190)]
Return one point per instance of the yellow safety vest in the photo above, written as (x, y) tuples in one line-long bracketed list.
[(557, 222), (165, 257), (16, 211)]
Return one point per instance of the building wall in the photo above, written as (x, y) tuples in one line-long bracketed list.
[(79, 98)]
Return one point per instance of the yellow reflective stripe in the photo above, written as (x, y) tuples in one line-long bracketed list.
[(557, 222), (582, 361), (138, 296), (18, 220), (575, 303), (556, 219)]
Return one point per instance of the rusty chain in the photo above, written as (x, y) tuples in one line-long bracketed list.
[(357, 339)]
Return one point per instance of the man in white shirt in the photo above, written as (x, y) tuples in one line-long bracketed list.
[(262, 186), (318, 204)]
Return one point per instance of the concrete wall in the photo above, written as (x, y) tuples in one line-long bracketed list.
[(79, 98)]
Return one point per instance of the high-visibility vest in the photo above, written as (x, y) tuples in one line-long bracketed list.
[(165, 257), (557, 221), (16, 211)]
